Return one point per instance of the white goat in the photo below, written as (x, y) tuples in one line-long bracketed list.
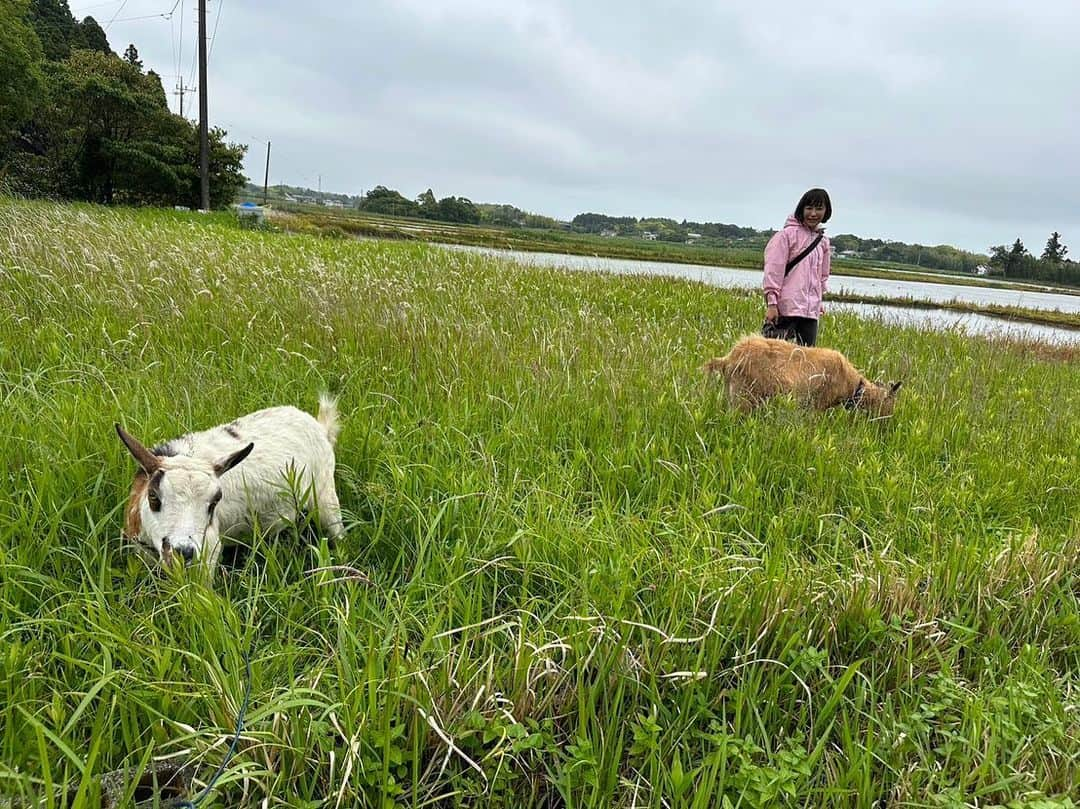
[(192, 490)]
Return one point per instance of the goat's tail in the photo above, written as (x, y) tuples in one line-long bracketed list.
[(717, 365), (328, 416)]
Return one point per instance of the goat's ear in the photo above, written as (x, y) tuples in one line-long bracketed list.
[(147, 460), (229, 461), (894, 387)]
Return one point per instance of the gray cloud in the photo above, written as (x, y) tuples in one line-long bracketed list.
[(937, 125)]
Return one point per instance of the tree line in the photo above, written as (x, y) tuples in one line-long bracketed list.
[(1051, 266), (666, 230), (458, 210), (80, 122), (387, 201), (716, 234)]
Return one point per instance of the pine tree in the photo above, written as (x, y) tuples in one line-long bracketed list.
[(1055, 251), (131, 56)]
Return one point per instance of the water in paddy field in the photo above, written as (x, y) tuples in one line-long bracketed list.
[(964, 322), (937, 319)]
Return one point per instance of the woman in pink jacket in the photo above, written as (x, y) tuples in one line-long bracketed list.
[(797, 262)]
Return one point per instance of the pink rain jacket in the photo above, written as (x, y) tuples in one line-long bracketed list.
[(799, 295)]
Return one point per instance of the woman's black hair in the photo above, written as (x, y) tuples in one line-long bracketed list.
[(815, 196)]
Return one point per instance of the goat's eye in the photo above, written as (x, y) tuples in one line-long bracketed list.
[(213, 504), (154, 499)]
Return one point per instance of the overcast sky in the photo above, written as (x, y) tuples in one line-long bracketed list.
[(936, 122)]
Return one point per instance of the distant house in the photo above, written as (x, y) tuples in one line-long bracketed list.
[(982, 269), (649, 236), (693, 236), (332, 203), (609, 232)]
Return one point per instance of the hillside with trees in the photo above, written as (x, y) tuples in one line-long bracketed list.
[(79, 122)]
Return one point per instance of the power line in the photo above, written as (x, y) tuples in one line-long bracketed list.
[(96, 5), (191, 75), (117, 14), (210, 48), (217, 19), (166, 15), (180, 38), (143, 17), (191, 85), (172, 40), (173, 37), (180, 55)]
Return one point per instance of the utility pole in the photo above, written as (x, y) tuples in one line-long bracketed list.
[(204, 141), (266, 177), (181, 88)]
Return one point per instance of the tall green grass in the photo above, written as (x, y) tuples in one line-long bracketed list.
[(573, 576)]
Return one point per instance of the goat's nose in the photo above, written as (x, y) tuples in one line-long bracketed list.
[(187, 551)]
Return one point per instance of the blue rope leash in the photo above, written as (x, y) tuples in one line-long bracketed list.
[(232, 747)]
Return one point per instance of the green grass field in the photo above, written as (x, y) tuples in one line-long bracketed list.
[(573, 577)]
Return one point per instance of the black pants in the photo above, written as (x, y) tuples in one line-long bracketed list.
[(802, 330)]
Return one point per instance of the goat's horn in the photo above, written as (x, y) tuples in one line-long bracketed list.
[(147, 460)]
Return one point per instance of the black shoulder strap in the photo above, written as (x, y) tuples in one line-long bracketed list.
[(791, 264)]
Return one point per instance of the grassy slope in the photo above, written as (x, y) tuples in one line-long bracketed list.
[(601, 584)]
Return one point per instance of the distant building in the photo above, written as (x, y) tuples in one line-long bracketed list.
[(648, 235), (609, 233), (982, 269)]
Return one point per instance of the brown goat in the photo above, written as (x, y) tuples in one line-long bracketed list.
[(758, 369)]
